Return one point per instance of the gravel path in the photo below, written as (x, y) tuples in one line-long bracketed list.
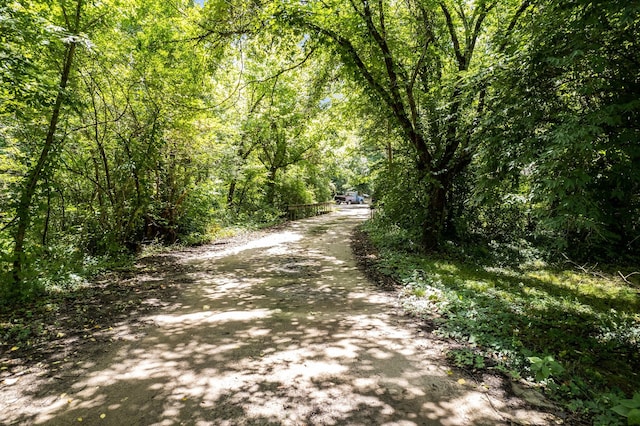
[(282, 329)]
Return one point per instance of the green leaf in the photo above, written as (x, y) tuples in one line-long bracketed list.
[(620, 409), (630, 403), (633, 418)]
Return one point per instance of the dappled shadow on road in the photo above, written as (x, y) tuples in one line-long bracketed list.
[(44, 335), (281, 331)]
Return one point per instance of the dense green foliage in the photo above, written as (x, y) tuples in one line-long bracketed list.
[(423, 63), (562, 153), (503, 119), (126, 123), (548, 110), (94, 165), (139, 121)]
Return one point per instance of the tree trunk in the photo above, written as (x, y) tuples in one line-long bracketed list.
[(23, 211), (271, 185), (434, 223), (47, 217), (231, 193)]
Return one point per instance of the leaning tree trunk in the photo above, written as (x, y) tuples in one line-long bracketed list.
[(23, 210)]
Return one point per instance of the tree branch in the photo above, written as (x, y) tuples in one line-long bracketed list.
[(624, 277), (387, 89), (471, 43), (454, 37), (505, 39)]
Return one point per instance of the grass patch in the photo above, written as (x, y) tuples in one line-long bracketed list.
[(575, 334)]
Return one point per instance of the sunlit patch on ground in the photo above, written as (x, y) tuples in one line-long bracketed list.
[(274, 242)]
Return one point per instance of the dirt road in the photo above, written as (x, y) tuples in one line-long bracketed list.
[(283, 330)]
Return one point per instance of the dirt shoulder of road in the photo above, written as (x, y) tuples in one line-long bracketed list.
[(48, 335)]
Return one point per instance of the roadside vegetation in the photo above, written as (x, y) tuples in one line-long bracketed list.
[(570, 330)]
